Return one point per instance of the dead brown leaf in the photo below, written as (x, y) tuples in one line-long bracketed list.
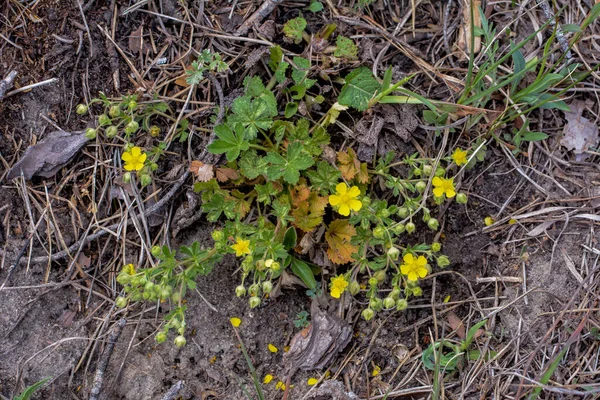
[(203, 172), (135, 40), (579, 133), (225, 174)]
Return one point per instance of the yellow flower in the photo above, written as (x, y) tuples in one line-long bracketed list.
[(338, 285), (268, 379), (459, 156), (488, 221), (512, 221), (134, 159), (272, 348), (241, 247), (129, 268), (376, 370), (443, 186), (346, 199), (280, 385), (414, 268), (235, 322), (312, 381)]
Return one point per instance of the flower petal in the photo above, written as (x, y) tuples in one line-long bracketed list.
[(422, 272), (142, 157), (412, 276), (421, 261), (341, 188), (126, 156), (408, 258), (136, 151), (138, 166), (128, 167), (437, 181), (235, 321), (450, 193), (335, 293), (354, 191), (334, 199), (438, 191), (355, 204), (344, 210), (405, 269)]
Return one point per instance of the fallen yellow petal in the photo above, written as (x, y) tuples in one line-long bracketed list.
[(376, 370), (312, 381), (268, 378), (280, 385), (235, 321), (272, 348)]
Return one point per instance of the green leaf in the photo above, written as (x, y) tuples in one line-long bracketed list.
[(254, 86), (252, 165), (228, 143), (214, 204), (446, 353), (534, 136), (471, 334), (290, 238), (296, 160), (300, 72), (253, 114), (345, 48), (571, 28), (359, 88), (265, 192), (30, 390), (291, 109), (294, 29), (315, 6), (303, 271), (519, 65), (387, 79), (324, 178)]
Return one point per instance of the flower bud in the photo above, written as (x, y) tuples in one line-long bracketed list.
[(354, 288), (439, 171), (153, 166), (121, 302), (180, 341), (380, 276), (114, 111), (240, 291), (154, 131), (385, 213), (403, 212), (127, 177), (417, 171), (401, 304), (433, 224), (132, 127), (132, 104), (443, 261), (367, 314), (421, 186), (395, 293), (376, 304), (410, 227), (123, 278), (81, 109), (165, 293), (137, 297), (436, 246), (145, 180), (417, 291), (275, 266), (160, 337), (254, 290), (254, 302), (217, 235), (103, 119), (461, 198), (388, 303), (379, 232), (373, 281), (427, 170), (91, 133), (111, 131), (149, 286), (267, 287), (176, 297), (399, 229), (393, 253)]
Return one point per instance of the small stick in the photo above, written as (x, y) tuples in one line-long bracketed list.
[(263, 11), (32, 86), (560, 36), (112, 340), (7, 83), (175, 389)]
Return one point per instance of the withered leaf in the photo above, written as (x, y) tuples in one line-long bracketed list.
[(348, 163), (49, 155), (338, 236), (225, 174), (135, 40), (579, 133), (203, 172)]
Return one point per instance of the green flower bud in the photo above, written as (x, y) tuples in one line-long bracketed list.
[(366, 201), (91, 133), (176, 297), (461, 198), (137, 297), (354, 288), (154, 131), (399, 229), (439, 171), (385, 213), (379, 232), (376, 304), (217, 235), (132, 104), (121, 302), (161, 337), (436, 246), (240, 291), (123, 278), (443, 261), (433, 224), (367, 314), (401, 304), (403, 212), (267, 286), (149, 286), (111, 131), (180, 341), (417, 291), (153, 166), (417, 171), (410, 227), (395, 293), (145, 180), (132, 127), (380, 276), (254, 302), (254, 290), (373, 281), (388, 303), (103, 119), (393, 253), (156, 251), (127, 177), (421, 186), (165, 293), (427, 169), (114, 111), (261, 265), (81, 109)]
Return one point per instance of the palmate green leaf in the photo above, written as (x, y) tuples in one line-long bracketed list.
[(345, 48), (214, 204), (253, 114), (324, 177), (294, 28), (300, 72), (296, 160), (252, 165), (230, 142), (359, 88)]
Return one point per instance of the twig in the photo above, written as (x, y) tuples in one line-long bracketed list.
[(175, 389), (560, 36), (87, 28), (7, 83), (263, 11), (112, 340), (32, 86), (82, 242)]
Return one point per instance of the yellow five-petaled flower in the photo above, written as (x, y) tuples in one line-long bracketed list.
[(443, 186), (459, 156), (414, 267), (134, 159), (338, 286), (241, 247), (345, 199)]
